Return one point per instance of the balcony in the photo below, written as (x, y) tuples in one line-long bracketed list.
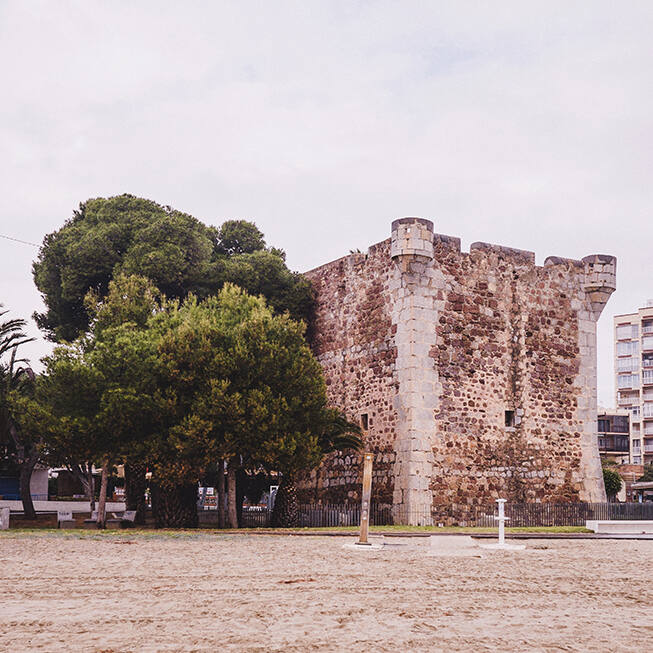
[(647, 377), (647, 328), (648, 448), (612, 443), (647, 343)]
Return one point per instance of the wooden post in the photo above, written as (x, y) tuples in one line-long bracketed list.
[(365, 503)]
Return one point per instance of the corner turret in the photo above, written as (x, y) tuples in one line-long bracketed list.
[(600, 280), (412, 237)]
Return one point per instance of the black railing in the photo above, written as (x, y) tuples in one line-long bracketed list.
[(565, 514), (521, 515)]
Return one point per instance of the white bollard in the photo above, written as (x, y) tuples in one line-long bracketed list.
[(502, 519)]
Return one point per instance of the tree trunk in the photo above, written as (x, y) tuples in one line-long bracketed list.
[(241, 480), (102, 503), (26, 469), (232, 512), (90, 486), (84, 473), (26, 462), (221, 489), (135, 485), (285, 513), (174, 506)]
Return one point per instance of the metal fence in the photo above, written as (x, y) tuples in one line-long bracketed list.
[(526, 514), (319, 515), (564, 514)]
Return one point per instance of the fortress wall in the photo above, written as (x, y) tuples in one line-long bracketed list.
[(508, 340), (436, 345), (354, 342)]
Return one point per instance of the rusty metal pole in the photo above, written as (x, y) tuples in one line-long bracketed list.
[(365, 503)]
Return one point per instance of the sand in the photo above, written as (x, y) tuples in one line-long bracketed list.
[(202, 592)]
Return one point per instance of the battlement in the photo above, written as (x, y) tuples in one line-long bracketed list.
[(519, 256), (412, 237), (561, 260)]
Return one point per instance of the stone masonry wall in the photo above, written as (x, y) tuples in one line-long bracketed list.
[(354, 342), (477, 372)]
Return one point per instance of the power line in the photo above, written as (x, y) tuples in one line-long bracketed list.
[(18, 240)]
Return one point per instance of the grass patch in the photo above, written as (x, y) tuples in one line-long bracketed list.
[(205, 533)]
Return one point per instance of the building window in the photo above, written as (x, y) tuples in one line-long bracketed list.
[(627, 364), (620, 424), (628, 380), (364, 422), (604, 425), (627, 331), (509, 418), (627, 348)]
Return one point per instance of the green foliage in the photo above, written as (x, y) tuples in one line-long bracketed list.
[(265, 273), (106, 236), (239, 237), (16, 383), (19, 413), (647, 476), (101, 390), (183, 384), (175, 251), (612, 482), (129, 299), (241, 382)]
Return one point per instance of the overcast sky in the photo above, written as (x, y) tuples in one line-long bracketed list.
[(520, 123)]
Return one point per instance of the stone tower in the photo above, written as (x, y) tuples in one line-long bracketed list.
[(414, 315), (473, 373)]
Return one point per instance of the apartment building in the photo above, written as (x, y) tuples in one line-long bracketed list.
[(633, 349), (614, 435)]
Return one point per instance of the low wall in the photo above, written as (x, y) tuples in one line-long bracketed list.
[(54, 506)]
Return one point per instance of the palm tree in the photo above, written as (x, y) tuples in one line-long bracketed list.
[(15, 381), (337, 434)]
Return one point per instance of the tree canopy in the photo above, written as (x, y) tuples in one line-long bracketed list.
[(613, 482), (240, 383), (174, 250), (647, 475), (19, 440), (184, 383)]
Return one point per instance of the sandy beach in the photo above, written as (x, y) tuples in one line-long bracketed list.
[(201, 592)]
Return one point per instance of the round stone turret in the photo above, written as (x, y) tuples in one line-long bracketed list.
[(600, 280), (412, 237)]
